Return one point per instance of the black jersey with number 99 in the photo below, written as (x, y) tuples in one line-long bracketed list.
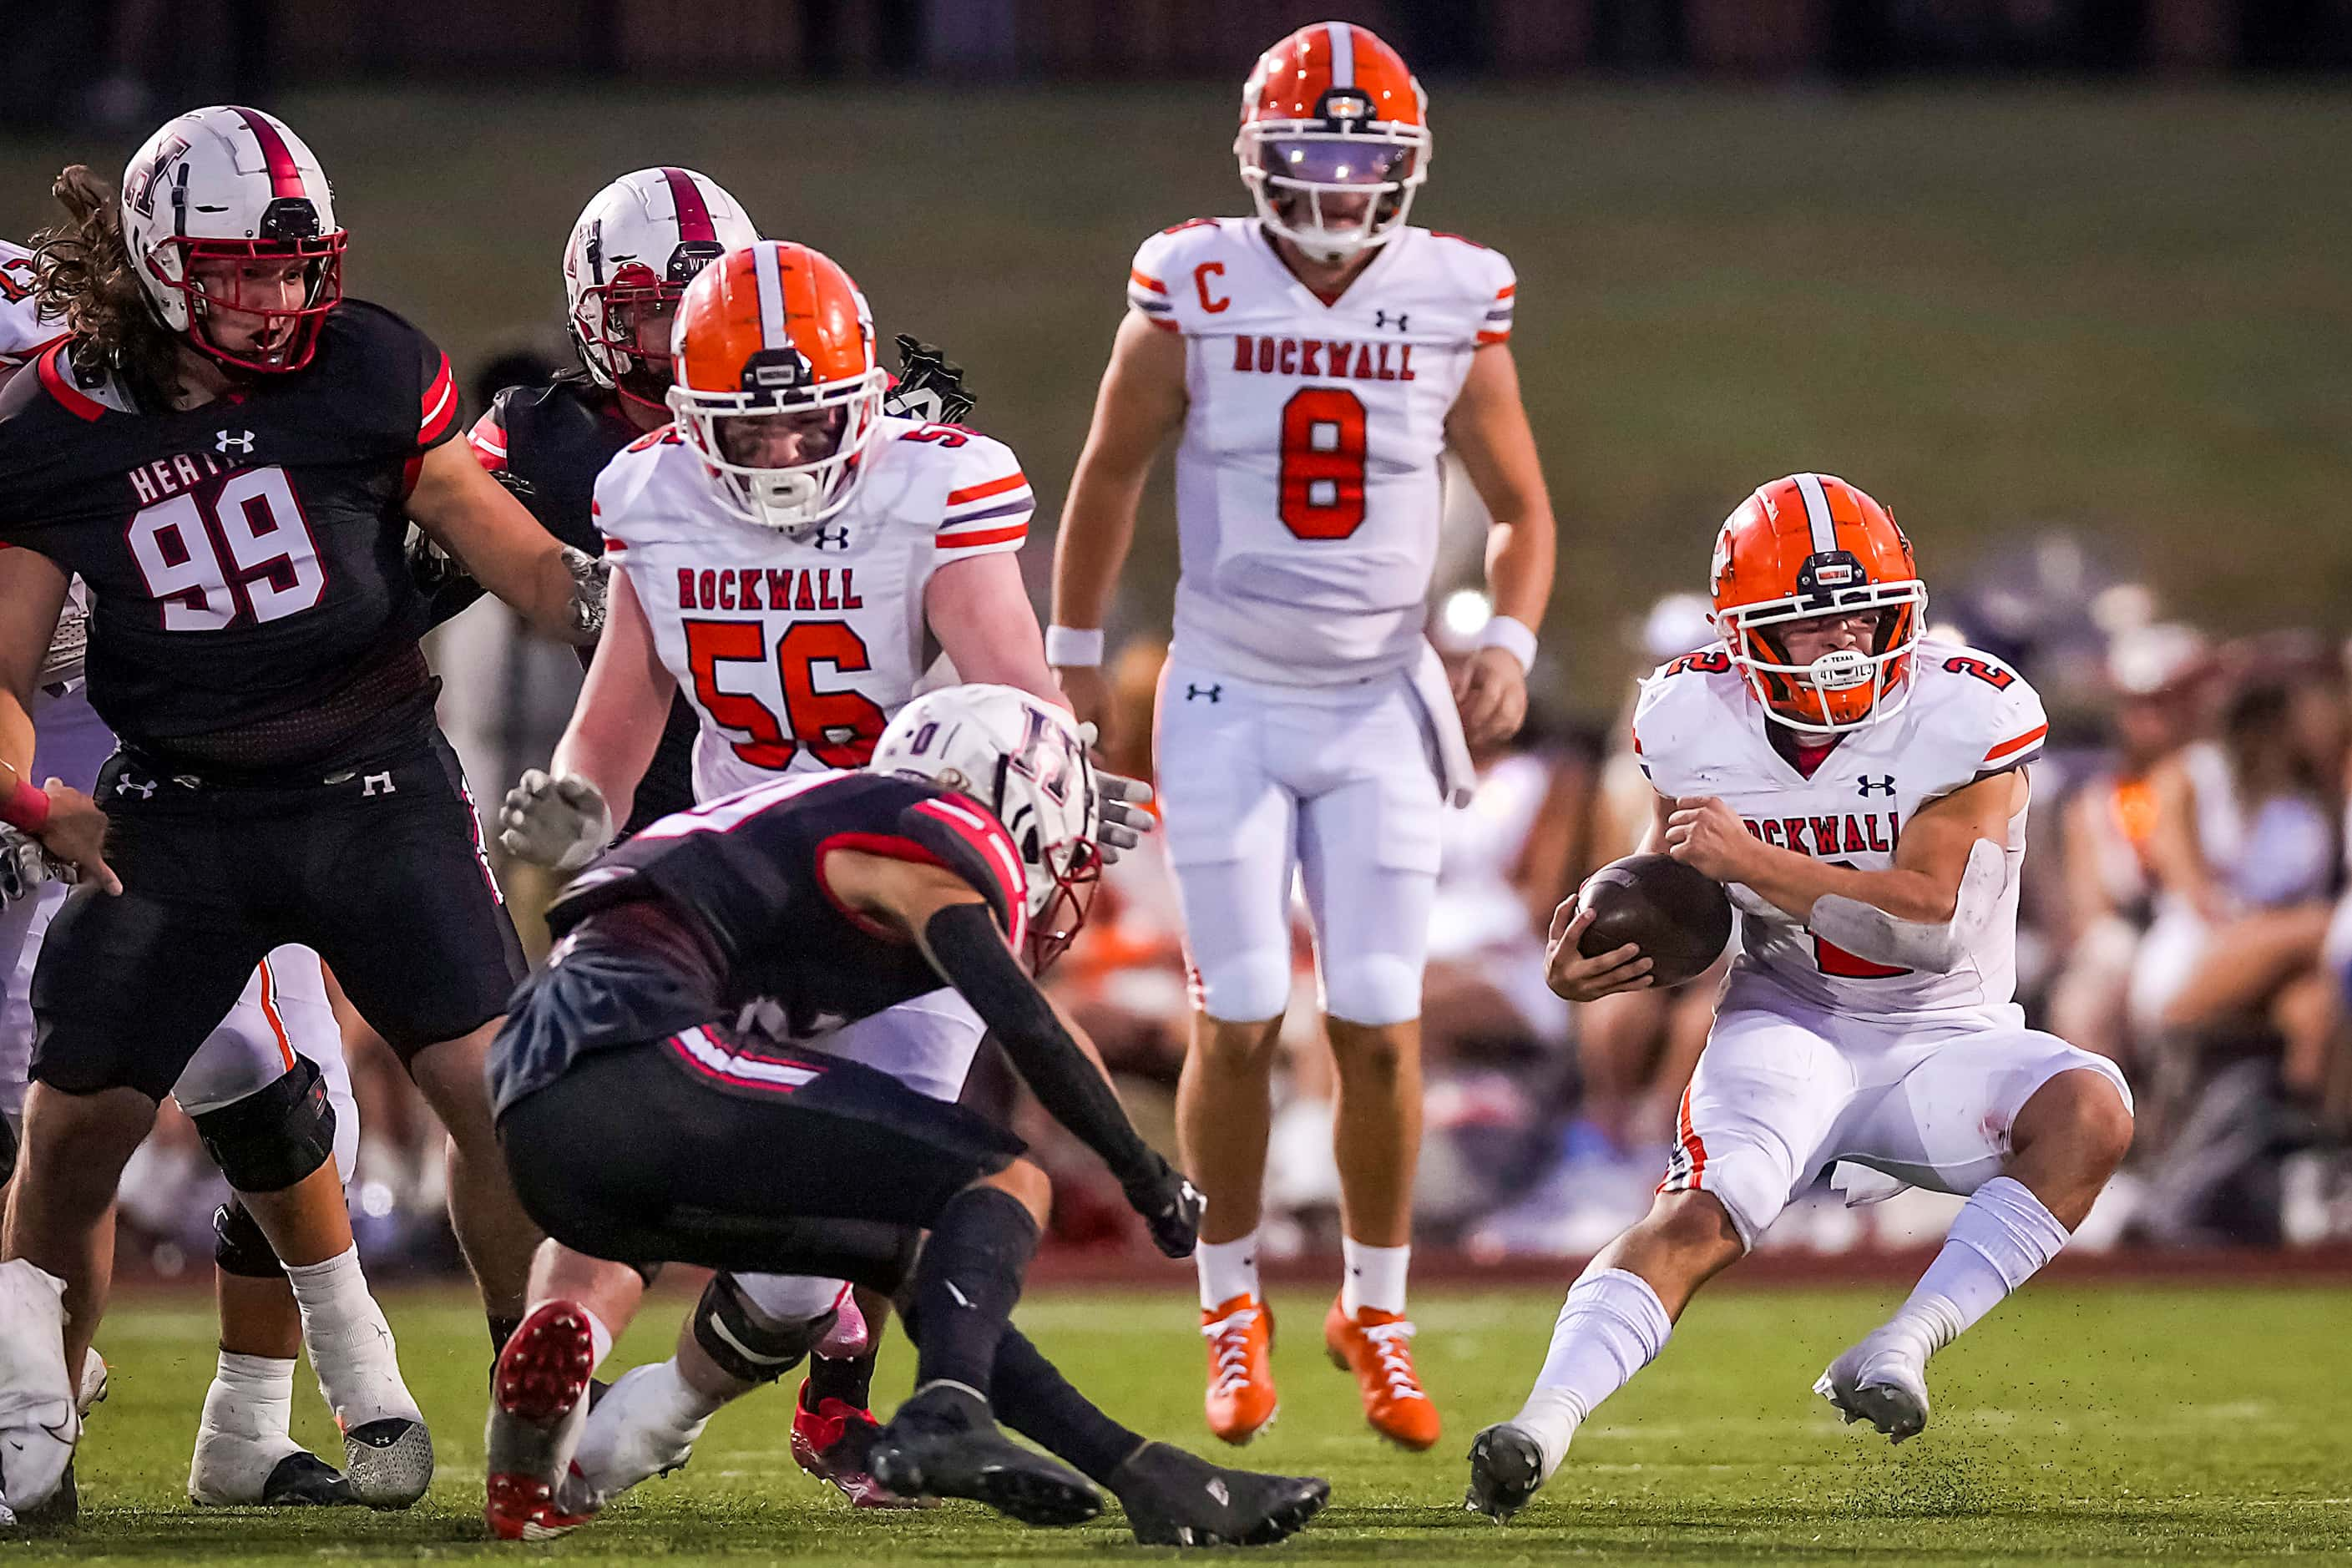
[(252, 609)]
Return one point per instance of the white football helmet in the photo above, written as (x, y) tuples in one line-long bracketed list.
[(1023, 759), (231, 184), (637, 244)]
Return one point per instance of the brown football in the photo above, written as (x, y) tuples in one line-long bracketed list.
[(1678, 917)]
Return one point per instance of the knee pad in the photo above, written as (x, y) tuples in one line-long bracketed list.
[(272, 1139), (238, 1245), (1373, 989), (1243, 988), (746, 1345), (790, 1298)]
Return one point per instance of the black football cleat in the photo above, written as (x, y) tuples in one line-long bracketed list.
[(305, 1480), (1505, 1472), (943, 1442), (1176, 1498)]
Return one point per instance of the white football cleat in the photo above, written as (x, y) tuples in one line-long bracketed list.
[(628, 1438), (1881, 1381)]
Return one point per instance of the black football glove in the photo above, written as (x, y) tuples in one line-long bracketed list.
[(930, 385), (1171, 1208)]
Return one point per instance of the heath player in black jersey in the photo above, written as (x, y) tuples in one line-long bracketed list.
[(635, 247), (228, 454), (679, 1083)]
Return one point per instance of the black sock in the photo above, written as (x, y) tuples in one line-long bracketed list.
[(851, 1381), (502, 1329), (966, 1284), (1034, 1399)]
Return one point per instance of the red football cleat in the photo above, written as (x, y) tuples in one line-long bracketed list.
[(538, 1400), (831, 1442)]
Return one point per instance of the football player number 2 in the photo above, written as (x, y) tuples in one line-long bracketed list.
[(247, 554), (1323, 463), (837, 728)]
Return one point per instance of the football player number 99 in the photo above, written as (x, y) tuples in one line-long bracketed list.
[(1323, 454), (250, 552)]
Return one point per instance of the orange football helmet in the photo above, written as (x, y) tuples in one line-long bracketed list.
[(777, 333), (1800, 549), (1334, 139)]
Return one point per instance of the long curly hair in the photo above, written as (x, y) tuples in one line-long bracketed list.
[(86, 278)]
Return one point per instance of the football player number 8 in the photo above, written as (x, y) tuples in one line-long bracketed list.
[(1323, 463), (838, 728), (249, 552)]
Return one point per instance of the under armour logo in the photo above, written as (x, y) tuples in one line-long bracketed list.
[(833, 536), (1380, 319), (1214, 693), (1865, 786), (240, 441), (144, 788), (375, 785)]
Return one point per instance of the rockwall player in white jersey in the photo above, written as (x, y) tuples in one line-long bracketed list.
[(1317, 358), (1862, 794), (789, 558), (253, 1101)]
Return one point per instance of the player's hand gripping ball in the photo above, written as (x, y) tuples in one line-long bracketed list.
[(1647, 920)]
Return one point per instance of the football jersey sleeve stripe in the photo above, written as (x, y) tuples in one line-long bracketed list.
[(488, 441), (1493, 337), (1020, 508), (982, 541), (1161, 322), (969, 493), (2017, 743), (1153, 284), (1507, 291), (440, 407)]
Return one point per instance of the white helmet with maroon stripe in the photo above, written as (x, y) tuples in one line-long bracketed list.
[(1022, 760), (233, 184), (635, 247)]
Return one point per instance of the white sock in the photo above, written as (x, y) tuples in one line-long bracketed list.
[(350, 1344), (252, 1397), (599, 1340), (1998, 1241), (1611, 1327), (1228, 1268), (1375, 1277)]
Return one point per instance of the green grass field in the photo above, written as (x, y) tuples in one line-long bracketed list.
[(2078, 1425)]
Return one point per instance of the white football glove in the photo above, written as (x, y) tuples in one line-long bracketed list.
[(24, 865), (1122, 812), (558, 823)]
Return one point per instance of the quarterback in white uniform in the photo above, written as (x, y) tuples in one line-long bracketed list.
[(790, 557), (244, 1451), (1317, 358), (1862, 794)]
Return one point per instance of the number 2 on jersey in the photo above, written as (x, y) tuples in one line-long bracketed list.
[(1323, 456), (836, 728), (249, 551)]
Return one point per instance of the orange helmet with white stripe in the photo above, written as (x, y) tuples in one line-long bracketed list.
[(776, 382), (1805, 547), (1334, 139)]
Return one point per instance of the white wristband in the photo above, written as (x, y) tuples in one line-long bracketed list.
[(1074, 647), (1514, 637)]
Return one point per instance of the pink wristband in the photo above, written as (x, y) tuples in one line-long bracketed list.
[(25, 807)]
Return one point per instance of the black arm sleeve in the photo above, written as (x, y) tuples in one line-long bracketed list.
[(964, 945)]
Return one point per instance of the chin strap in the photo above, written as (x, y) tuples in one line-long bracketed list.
[(1931, 947)]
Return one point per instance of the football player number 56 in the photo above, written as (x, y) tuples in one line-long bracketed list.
[(249, 552), (1323, 463), (837, 728)]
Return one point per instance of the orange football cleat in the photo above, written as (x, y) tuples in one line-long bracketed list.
[(1241, 1401), (1378, 1348)]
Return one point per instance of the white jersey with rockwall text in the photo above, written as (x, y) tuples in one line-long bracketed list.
[(1700, 732), (797, 651), (1308, 498), (23, 329)]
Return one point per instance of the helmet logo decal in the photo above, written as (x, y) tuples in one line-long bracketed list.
[(144, 196)]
